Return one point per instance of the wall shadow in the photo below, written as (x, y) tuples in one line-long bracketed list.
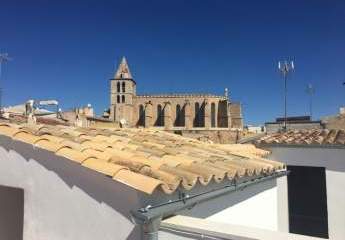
[(99, 187)]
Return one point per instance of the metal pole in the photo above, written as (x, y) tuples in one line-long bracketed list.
[(285, 68), (311, 106), (0, 91), (0, 88), (285, 115), (3, 58), (310, 90)]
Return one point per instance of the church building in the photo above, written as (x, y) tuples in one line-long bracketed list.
[(170, 112)]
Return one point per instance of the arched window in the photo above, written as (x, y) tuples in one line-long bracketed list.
[(202, 115), (222, 114), (141, 121), (123, 87), (199, 115), (160, 116), (118, 98), (179, 121), (213, 115), (196, 114), (123, 99), (118, 87)]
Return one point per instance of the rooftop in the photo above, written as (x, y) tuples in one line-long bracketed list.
[(147, 159), (306, 137)]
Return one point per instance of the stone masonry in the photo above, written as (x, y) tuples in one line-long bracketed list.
[(170, 112)]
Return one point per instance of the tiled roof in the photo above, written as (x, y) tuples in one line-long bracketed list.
[(146, 159), (306, 137), (245, 149)]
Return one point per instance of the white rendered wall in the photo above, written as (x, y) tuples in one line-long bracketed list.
[(334, 161), (259, 211), (259, 205), (63, 200), (183, 228), (336, 204)]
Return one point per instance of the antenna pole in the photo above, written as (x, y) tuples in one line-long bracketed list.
[(285, 100), (310, 90), (311, 106), (285, 69), (3, 58), (0, 87)]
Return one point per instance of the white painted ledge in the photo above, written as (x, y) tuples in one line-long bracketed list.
[(226, 231)]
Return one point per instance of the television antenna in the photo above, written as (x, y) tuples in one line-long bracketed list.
[(285, 68), (310, 90), (3, 58)]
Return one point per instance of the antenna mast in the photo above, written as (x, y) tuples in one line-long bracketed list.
[(310, 91), (3, 58), (285, 68)]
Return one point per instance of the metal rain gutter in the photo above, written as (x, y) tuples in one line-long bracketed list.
[(152, 215)]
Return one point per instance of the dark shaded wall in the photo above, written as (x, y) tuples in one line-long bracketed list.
[(11, 213)]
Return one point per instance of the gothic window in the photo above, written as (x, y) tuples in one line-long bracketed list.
[(222, 114), (199, 115), (160, 116), (118, 98), (123, 99), (123, 87), (141, 121), (118, 87), (180, 116), (196, 114), (202, 115), (213, 115)]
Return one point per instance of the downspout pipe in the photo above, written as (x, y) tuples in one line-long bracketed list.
[(149, 230), (149, 217)]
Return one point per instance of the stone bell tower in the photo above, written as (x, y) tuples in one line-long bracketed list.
[(122, 92)]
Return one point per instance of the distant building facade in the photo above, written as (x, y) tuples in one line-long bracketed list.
[(293, 123), (171, 112), (336, 121)]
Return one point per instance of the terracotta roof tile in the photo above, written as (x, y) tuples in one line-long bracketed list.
[(148, 159), (26, 137), (48, 145), (8, 130), (103, 166), (72, 154), (306, 137), (140, 182)]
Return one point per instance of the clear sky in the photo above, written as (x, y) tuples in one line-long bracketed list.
[(68, 50)]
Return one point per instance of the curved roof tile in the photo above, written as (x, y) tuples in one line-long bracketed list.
[(306, 137), (148, 159)]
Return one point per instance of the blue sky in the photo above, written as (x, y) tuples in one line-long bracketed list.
[(68, 50)]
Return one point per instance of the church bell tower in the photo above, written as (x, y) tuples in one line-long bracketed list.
[(123, 90)]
